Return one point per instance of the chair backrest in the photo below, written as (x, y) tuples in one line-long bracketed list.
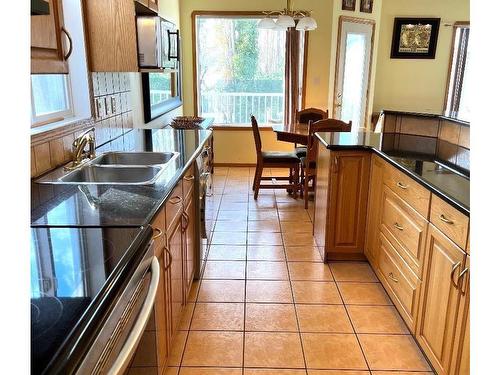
[(256, 136), (310, 114), (327, 125)]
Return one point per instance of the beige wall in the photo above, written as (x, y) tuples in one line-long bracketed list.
[(416, 84)]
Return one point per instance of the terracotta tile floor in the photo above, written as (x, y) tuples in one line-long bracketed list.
[(268, 305)]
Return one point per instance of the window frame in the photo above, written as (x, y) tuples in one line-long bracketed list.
[(452, 104), (232, 14), (51, 117)]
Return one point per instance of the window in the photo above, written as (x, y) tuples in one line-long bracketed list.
[(161, 93), (50, 98), (240, 70), (458, 99)]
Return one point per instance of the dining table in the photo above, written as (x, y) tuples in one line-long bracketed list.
[(294, 133)]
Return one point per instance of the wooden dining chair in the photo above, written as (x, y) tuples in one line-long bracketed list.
[(308, 162), (303, 117), (274, 159)]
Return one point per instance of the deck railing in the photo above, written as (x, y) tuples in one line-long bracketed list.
[(237, 107)]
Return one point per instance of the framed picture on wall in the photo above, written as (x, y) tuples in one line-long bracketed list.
[(366, 6), (349, 5), (415, 38)]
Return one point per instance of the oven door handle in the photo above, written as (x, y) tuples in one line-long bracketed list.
[(132, 341)]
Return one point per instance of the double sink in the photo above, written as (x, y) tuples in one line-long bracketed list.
[(115, 168)]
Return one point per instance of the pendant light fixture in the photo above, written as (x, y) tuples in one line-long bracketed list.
[(286, 18)]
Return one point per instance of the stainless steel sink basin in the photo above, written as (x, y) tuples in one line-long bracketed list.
[(93, 174), (133, 158)]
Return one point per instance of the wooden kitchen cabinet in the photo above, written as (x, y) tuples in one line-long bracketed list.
[(110, 28), (347, 187), (175, 247), (49, 50), (372, 243), (189, 221), (441, 298)]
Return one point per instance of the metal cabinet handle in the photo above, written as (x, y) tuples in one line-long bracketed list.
[(452, 274), (461, 279), (175, 200), (446, 220), (336, 164), (185, 216), (70, 49), (397, 226), (140, 324), (167, 257), (158, 233), (391, 276), (189, 178), (402, 186)]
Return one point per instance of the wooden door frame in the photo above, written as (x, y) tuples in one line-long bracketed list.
[(456, 26), (365, 21)]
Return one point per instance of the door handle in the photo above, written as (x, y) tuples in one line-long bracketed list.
[(452, 274)]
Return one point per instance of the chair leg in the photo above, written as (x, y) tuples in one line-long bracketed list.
[(296, 181), (301, 182), (306, 192), (258, 175), (255, 177)]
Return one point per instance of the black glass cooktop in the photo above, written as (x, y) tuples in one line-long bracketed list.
[(70, 273)]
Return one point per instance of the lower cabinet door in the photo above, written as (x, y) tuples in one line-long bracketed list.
[(189, 240), (440, 299), (176, 274)]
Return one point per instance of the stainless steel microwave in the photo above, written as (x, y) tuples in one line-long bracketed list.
[(158, 43)]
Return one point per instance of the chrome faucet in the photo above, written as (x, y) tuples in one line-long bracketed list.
[(79, 153)]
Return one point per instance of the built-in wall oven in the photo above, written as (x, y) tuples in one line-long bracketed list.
[(207, 210)]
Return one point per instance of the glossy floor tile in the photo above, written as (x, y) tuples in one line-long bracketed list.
[(268, 305)]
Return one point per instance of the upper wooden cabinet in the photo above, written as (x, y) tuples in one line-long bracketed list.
[(111, 35), (342, 221), (49, 53)]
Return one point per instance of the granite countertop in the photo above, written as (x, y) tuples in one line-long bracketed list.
[(415, 157), (119, 205), (430, 115), (76, 275)]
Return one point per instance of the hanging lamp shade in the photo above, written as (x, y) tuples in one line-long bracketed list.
[(285, 21), (266, 24), (307, 24)]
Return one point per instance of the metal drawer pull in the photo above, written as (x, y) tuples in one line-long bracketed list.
[(70, 49), (175, 200), (132, 341), (391, 276), (402, 186), (189, 178), (446, 220), (452, 274), (397, 226), (158, 233)]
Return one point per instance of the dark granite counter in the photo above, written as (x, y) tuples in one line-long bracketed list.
[(119, 205), (415, 157), (429, 115), (76, 276)]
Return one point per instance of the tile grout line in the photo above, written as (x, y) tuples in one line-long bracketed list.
[(350, 320)]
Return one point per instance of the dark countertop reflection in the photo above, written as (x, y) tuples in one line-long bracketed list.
[(75, 275), (119, 205), (413, 155)]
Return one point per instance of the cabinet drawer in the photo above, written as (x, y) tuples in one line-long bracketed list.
[(401, 283), (407, 229), (188, 181), (450, 221), (173, 206), (408, 189)]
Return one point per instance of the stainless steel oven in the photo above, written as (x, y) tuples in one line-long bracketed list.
[(117, 341)]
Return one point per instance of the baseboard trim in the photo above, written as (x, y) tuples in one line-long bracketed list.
[(234, 164)]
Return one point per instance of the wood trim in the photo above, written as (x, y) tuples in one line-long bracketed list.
[(304, 70), (456, 25), (235, 164), (339, 35)]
